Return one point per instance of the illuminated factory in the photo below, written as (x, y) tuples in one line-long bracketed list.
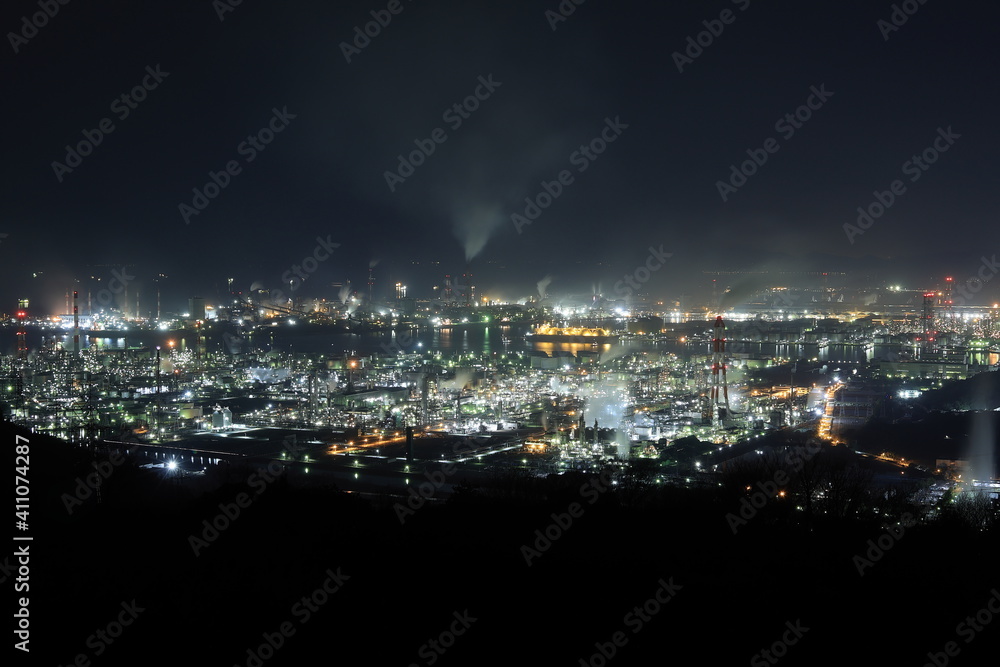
[(551, 334)]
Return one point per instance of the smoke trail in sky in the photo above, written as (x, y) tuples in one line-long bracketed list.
[(474, 224), (543, 285)]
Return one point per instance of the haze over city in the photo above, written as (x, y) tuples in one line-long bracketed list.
[(542, 333)]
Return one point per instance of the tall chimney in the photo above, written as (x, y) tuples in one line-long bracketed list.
[(76, 324)]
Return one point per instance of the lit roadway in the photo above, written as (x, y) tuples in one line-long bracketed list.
[(826, 423), (368, 442), (826, 426), (380, 475)]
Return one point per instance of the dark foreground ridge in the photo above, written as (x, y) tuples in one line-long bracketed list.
[(558, 571)]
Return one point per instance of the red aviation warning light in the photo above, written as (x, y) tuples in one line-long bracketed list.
[(22, 334)]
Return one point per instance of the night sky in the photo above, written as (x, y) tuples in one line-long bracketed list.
[(224, 73)]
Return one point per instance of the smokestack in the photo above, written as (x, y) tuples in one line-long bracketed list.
[(468, 284), (409, 444), (76, 324), (423, 399)]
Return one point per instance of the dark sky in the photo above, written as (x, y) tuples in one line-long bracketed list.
[(656, 184)]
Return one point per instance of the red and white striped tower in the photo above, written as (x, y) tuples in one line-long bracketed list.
[(22, 351), (22, 333), (719, 383)]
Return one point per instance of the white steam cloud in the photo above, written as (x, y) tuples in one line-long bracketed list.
[(543, 284), (474, 224)]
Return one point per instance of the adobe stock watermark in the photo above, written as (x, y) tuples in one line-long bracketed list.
[(779, 648), (783, 298), (967, 629), (290, 444), (915, 168), (223, 7), (898, 17), (302, 611), (433, 649), (581, 158), (544, 539), (754, 331), (631, 282), (122, 106), (635, 620), (454, 115), (7, 569), (787, 125), (566, 9), (23, 614), (229, 512), (249, 149), (975, 284), (399, 341), (324, 248), (886, 541), (119, 281), (713, 28), (87, 486), (435, 480), (749, 506), (233, 343), (362, 38), (37, 21), (102, 638)]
